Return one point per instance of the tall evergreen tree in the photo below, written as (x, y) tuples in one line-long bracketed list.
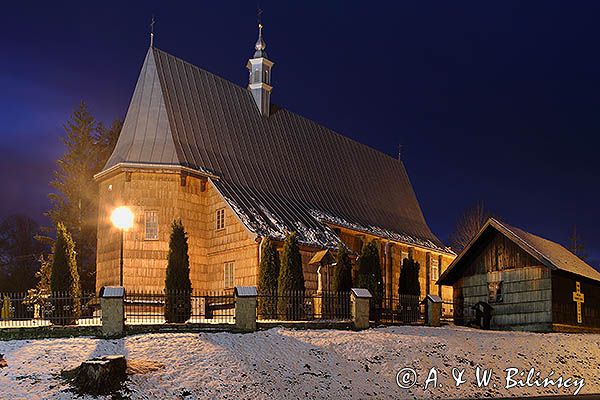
[(75, 197), (290, 284), (369, 275), (268, 274), (342, 272), (64, 278), (178, 286)]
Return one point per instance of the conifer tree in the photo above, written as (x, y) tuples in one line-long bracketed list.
[(369, 276), (75, 197), (268, 275), (342, 272), (409, 278), (290, 284), (6, 312), (178, 286), (64, 279)]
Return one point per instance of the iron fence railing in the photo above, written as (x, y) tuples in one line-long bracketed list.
[(149, 308), (303, 306), (401, 309), (19, 310)]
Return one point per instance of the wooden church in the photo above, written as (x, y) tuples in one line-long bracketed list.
[(528, 282), (237, 168)]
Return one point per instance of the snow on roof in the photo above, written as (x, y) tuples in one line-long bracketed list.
[(549, 253)]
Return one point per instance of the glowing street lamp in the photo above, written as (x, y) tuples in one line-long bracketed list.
[(122, 219)]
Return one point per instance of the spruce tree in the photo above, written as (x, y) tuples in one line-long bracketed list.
[(342, 272), (290, 284), (75, 197), (369, 276), (178, 286), (64, 279), (268, 274)]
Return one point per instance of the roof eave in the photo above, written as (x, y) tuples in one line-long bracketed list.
[(149, 166)]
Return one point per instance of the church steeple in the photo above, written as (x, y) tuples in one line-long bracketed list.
[(259, 82)]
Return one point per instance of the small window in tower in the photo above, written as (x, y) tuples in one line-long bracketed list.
[(220, 219), (229, 275), (151, 225)]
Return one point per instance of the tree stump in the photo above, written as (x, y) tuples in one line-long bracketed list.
[(103, 375)]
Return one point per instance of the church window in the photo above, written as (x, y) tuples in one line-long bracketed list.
[(151, 225), (228, 275), (220, 219), (435, 269), (495, 292)]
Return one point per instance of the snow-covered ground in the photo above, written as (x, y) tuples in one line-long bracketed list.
[(296, 364)]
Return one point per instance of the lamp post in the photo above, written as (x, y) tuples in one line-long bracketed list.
[(122, 218)]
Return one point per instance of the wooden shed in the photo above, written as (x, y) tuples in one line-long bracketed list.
[(530, 283)]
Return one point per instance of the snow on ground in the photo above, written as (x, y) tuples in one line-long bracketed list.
[(296, 364)]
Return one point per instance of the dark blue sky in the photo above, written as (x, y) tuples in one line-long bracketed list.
[(495, 102)]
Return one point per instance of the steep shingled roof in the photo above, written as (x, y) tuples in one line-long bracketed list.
[(279, 173), (548, 253)]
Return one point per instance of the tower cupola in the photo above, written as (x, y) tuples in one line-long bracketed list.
[(259, 80)]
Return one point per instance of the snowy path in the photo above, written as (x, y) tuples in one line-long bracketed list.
[(284, 363)]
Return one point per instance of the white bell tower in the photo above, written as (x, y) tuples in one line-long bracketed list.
[(259, 82)]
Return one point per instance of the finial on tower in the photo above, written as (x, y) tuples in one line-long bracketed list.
[(400, 152), (152, 32), (260, 45)]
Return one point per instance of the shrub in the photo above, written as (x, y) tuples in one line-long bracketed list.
[(369, 276), (409, 290), (290, 284), (64, 280), (268, 274), (342, 272)]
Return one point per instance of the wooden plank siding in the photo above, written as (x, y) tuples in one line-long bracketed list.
[(564, 309), (196, 202), (526, 285), (145, 260), (399, 251)]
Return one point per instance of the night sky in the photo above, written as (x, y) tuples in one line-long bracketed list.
[(492, 102)]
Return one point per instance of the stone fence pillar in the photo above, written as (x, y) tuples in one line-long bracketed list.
[(245, 308), (433, 309), (113, 310), (359, 305)]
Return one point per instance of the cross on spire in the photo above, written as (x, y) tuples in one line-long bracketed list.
[(152, 32)]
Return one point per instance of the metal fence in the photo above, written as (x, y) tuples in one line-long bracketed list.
[(177, 307), (303, 306), (18, 310), (401, 309)]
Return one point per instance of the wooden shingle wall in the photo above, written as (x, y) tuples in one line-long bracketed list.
[(145, 260), (526, 297)]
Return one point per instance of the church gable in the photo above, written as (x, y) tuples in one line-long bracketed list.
[(146, 136)]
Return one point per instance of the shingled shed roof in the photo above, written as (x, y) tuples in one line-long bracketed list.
[(279, 173), (548, 253)]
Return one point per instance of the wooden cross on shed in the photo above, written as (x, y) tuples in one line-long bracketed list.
[(578, 298)]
